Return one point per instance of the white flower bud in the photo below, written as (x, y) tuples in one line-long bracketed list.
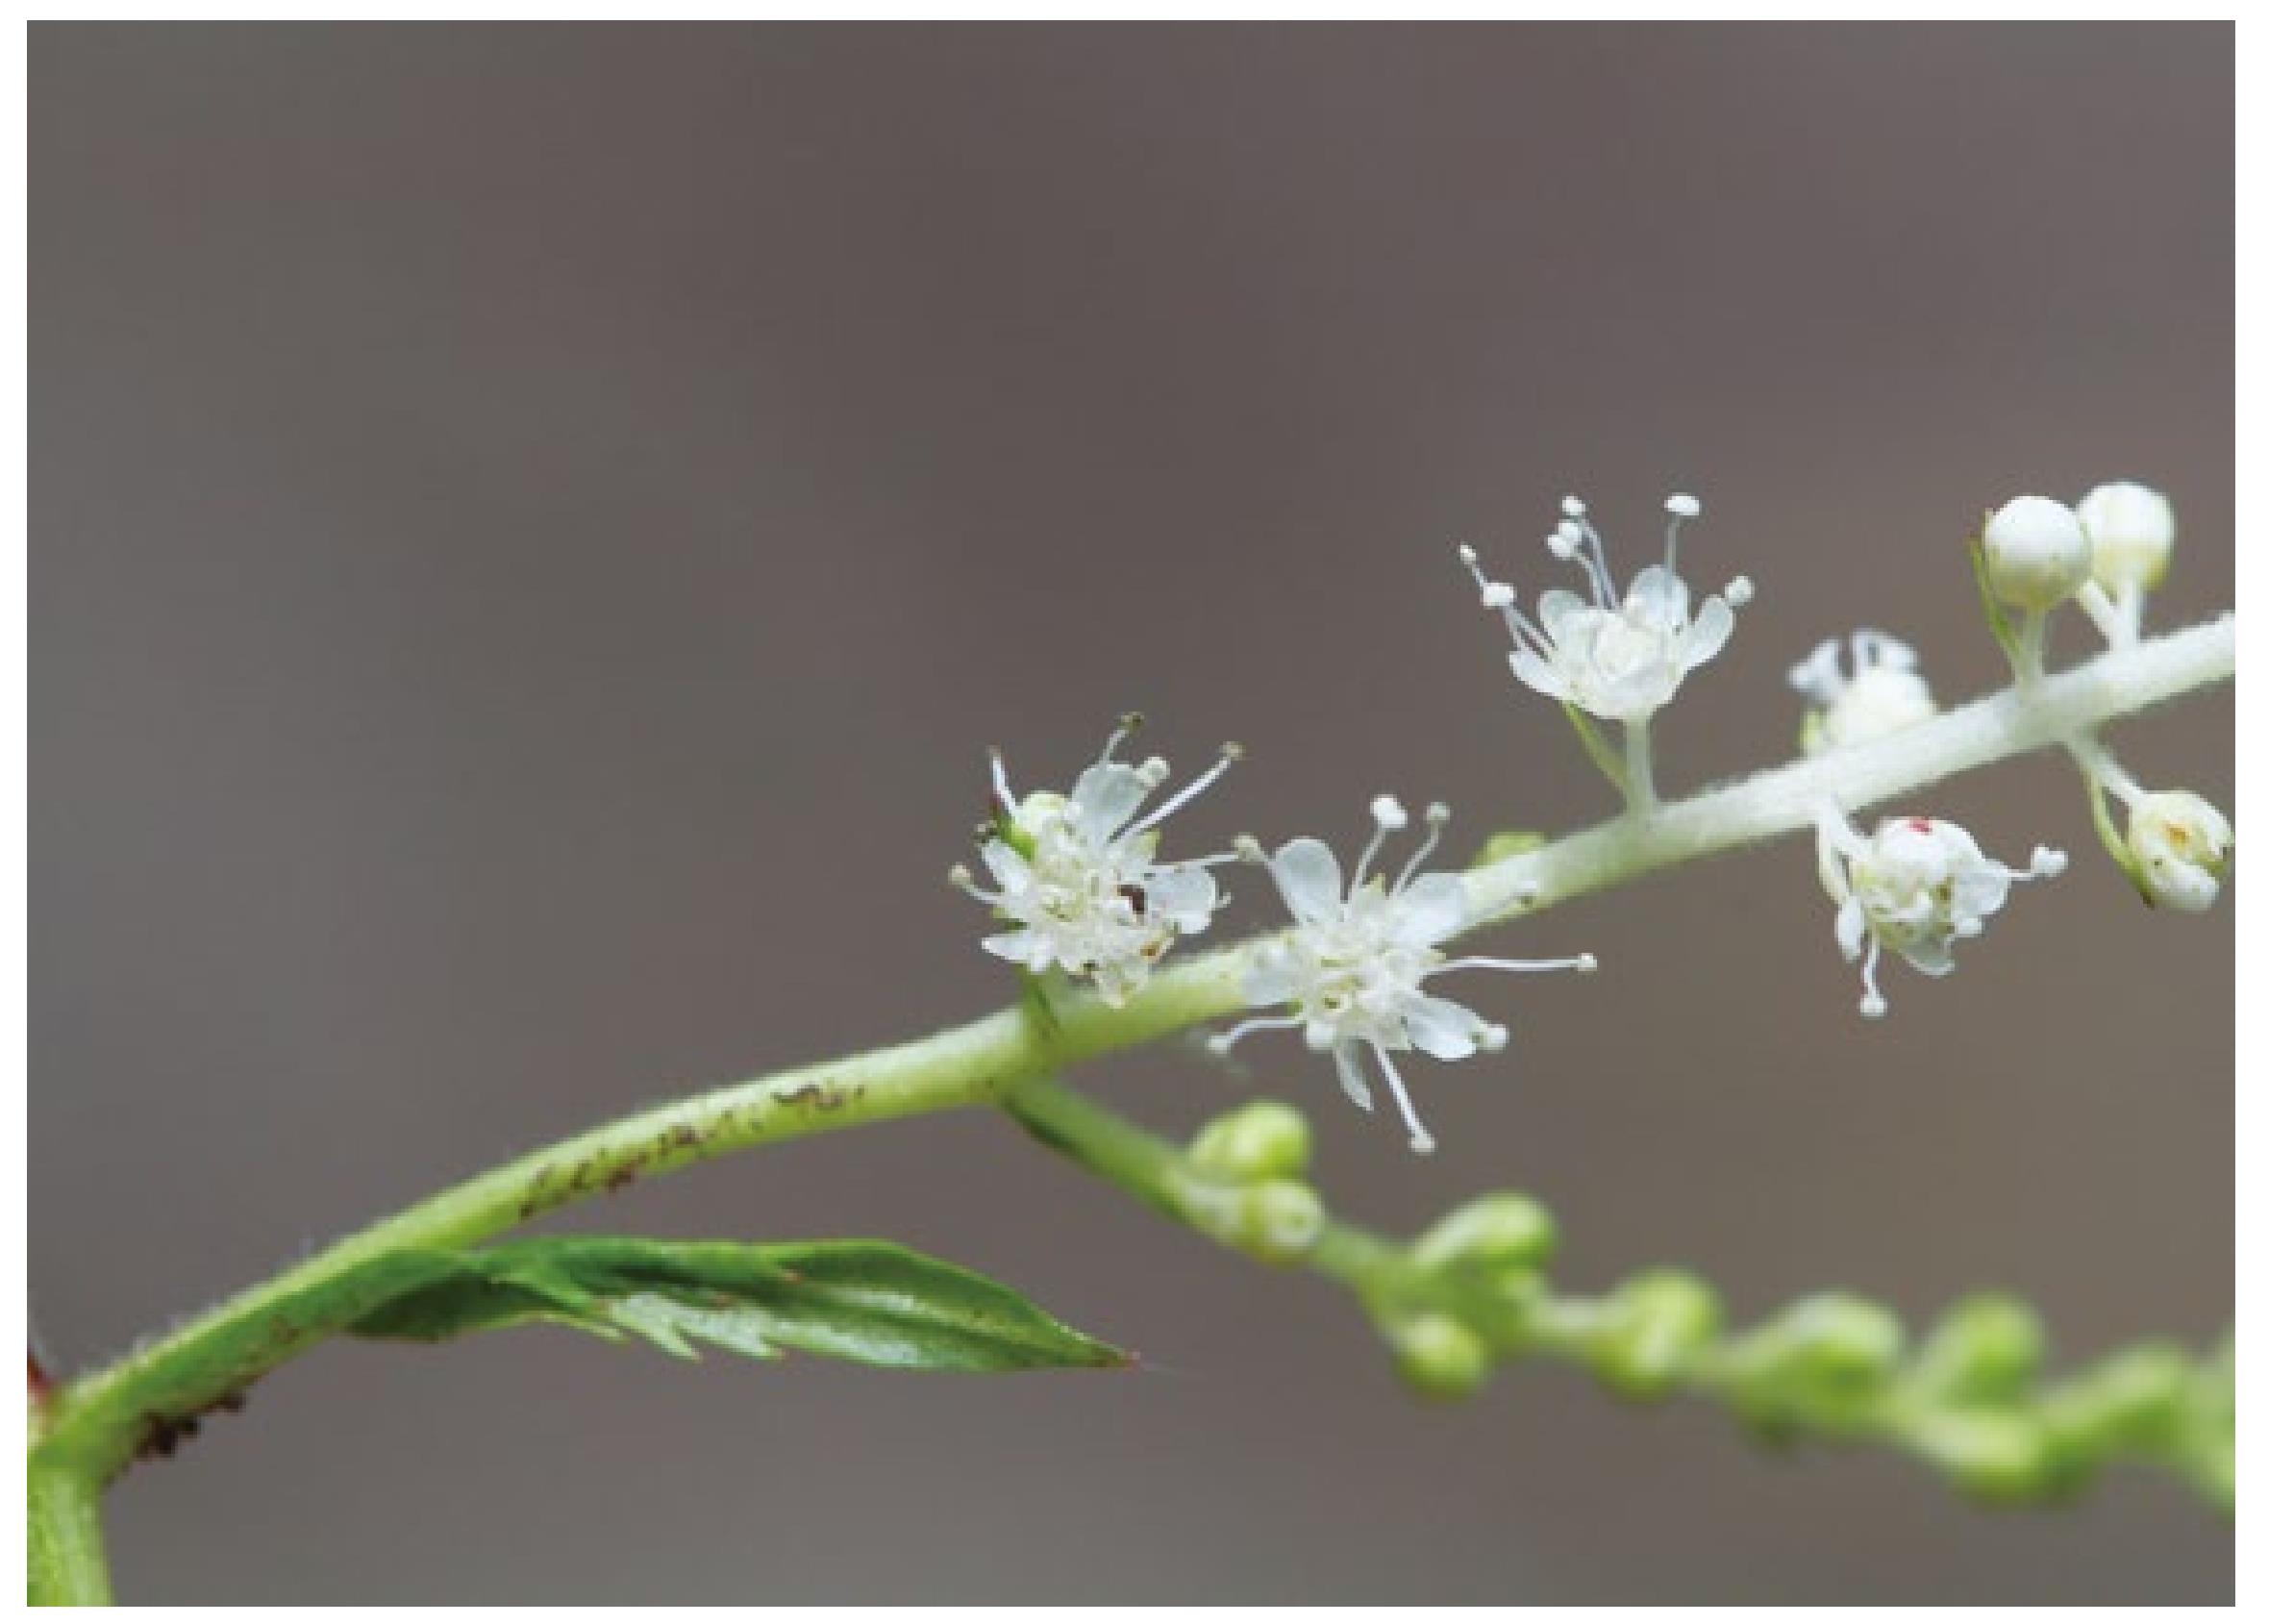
[(2132, 529), (2037, 553), (1883, 693), (2182, 846)]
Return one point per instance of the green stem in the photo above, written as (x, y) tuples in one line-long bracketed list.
[(63, 1543), (1638, 766), (100, 1421), (1830, 1367)]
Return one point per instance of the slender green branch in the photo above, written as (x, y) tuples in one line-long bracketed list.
[(1472, 1292), (103, 1420)]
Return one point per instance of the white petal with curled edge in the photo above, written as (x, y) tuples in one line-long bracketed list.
[(1981, 889), (1027, 948), (1446, 1031), (1659, 597), (1007, 864), (1531, 669), (1709, 633), (1555, 607), (1307, 875), (1352, 1080), (1182, 897), (1106, 797), (1932, 957), (1432, 908), (1850, 928)]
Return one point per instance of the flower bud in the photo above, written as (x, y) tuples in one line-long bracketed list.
[(1824, 1350), (1880, 700), (1438, 1356), (1283, 1219), (2181, 847), (1263, 1140), (1275, 1221), (2132, 530), (1986, 1347), (2037, 553), (1495, 1233), (2133, 1400), (1660, 1321), (1991, 1454)]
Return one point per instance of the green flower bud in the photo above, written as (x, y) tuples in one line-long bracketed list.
[(1822, 1355), (2132, 1399), (1438, 1356), (1494, 1232), (1657, 1323), (1276, 1221), (1283, 1219), (1986, 1347), (1261, 1140), (1989, 1453)]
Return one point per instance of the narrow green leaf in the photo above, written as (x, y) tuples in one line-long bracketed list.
[(868, 1301)]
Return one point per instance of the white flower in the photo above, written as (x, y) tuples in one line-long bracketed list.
[(1917, 886), (1620, 657), (2036, 551), (1079, 875), (1350, 971), (2182, 847), (1884, 693), (2132, 529)]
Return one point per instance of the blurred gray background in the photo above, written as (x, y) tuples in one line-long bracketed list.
[(534, 528)]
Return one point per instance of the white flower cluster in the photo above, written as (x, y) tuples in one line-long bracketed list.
[(1080, 882), (1350, 973), (1618, 656), (1083, 893), (1079, 878)]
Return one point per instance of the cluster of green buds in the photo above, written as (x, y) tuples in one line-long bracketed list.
[(1479, 1271), (1475, 1290), (2104, 554), (1968, 1400), (1243, 1183)]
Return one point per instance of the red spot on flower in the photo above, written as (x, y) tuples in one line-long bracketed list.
[(1920, 825)]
